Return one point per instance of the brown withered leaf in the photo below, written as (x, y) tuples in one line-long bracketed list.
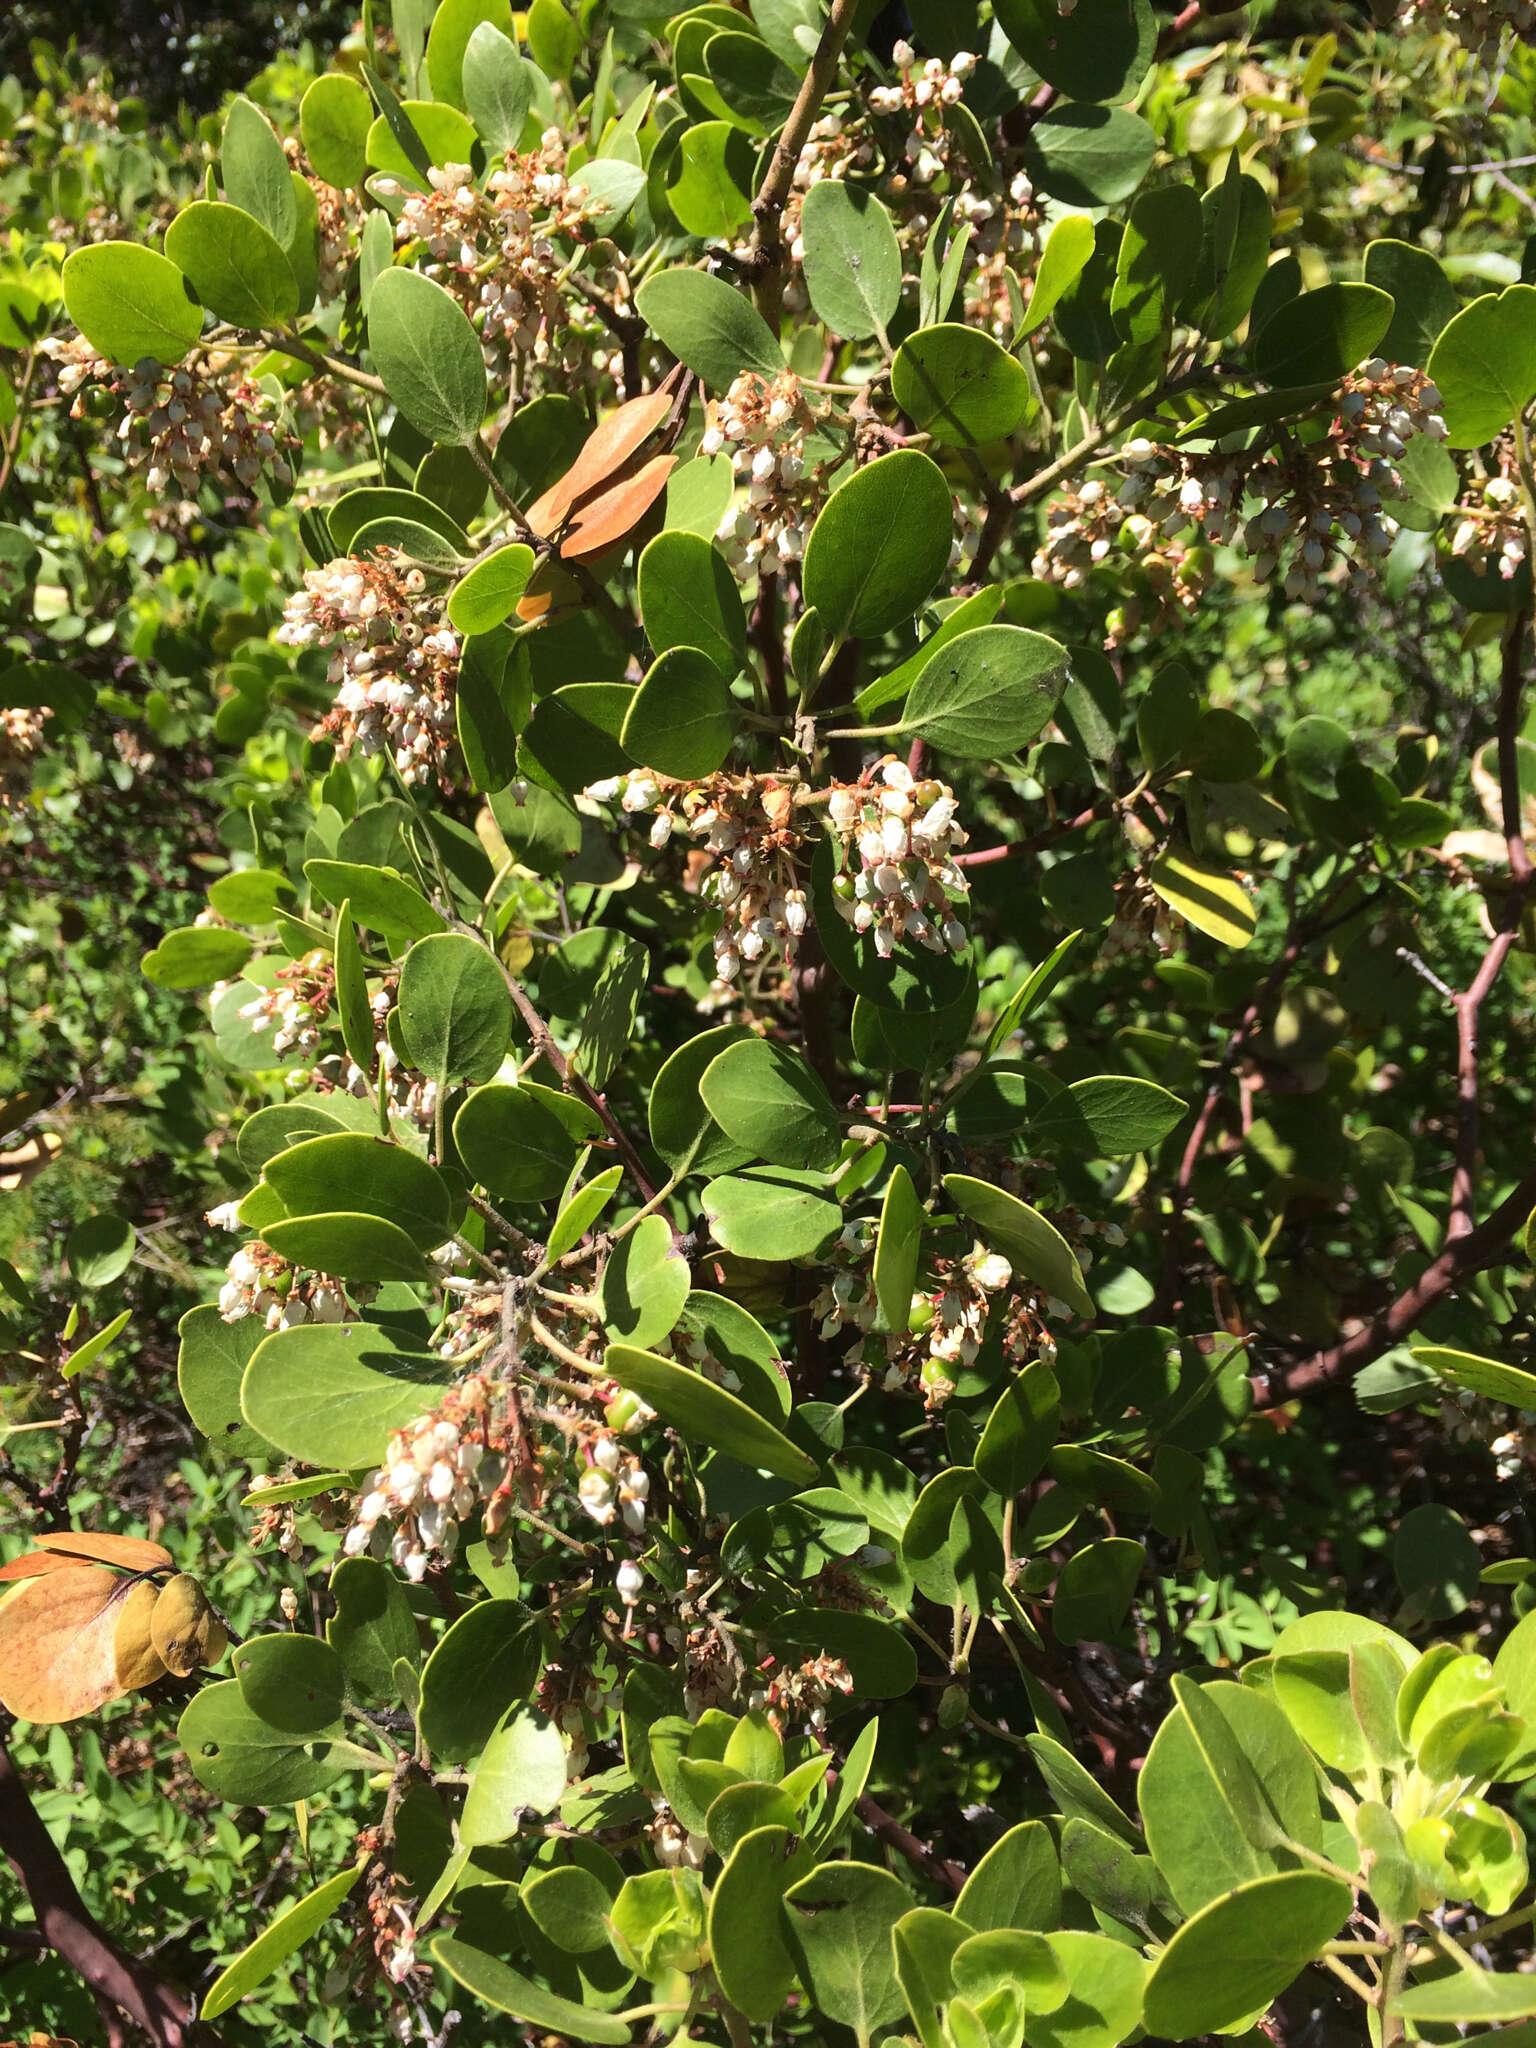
[(36, 1564), (128, 1553), (616, 511), (57, 1652), (135, 1656), (24, 1164), (605, 452)]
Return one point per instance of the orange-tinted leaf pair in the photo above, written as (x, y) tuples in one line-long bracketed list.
[(603, 495), (75, 1633), (607, 449)]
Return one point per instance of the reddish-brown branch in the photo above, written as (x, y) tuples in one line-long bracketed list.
[(1058, 829), (1467, 1254), (115, 1978), (886, 1828), (544, 1043), (768, 206)]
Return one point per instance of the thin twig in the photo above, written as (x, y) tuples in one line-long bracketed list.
[(768, 206)]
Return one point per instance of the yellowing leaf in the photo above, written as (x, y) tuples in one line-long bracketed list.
[(184, 1628), (1204, 895), (136, 1660)]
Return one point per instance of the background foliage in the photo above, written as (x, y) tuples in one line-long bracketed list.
[(938, 1340)]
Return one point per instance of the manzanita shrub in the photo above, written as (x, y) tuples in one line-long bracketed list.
[(812, 1016)]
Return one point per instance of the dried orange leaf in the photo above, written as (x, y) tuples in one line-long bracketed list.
[(604, 454), (134, 1655), (57, 1657), (616, 511), (34, 1564), (128, 1553)]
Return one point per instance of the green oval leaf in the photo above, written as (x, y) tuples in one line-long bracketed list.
[(689, 598), (681, 720), (987, 692), (644, 1285), (1088, 156), (1241, 1951), (1320, 336), (515, 1146), (487, 594), (771, 1213), (880, 545), (713, 329), (241, 1758), (852, 259), (1092, 53), (236, 268), (1204, 895), (455, 1010), (768, 1099), (100, 1248), (196, 956), (428, 355), (1484, 364), (331, 1393), (487, 1661), (334, 119), (130, 302), (958, 384), (498, 87)]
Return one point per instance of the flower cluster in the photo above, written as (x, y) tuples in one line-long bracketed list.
[(408, 1094), (762, 426), (21, 736), (1319, 502), (435, 1473), (900, 834), (1007, 242), (804, 1691), (923, 89), (746, 823), (1490, 532), (614, 1483), (393, 663), (947, 1323), (203, 420), (1167, 574), (499, 250), (258, 1282), (294, 1010)]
